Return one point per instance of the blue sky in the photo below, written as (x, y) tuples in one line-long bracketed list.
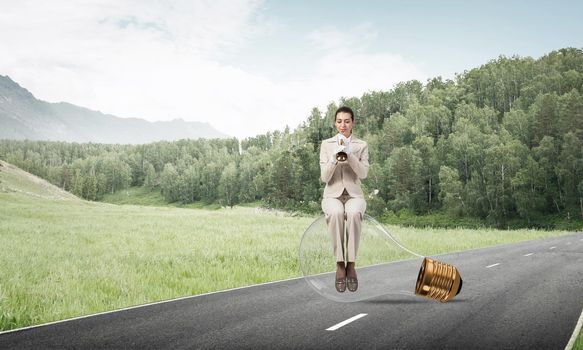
[(250, 66), (442, 37)]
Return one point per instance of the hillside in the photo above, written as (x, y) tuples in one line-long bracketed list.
[(13, 179), (23, 116)]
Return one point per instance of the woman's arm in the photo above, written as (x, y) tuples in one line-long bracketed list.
[(327, 165), (359, 165)]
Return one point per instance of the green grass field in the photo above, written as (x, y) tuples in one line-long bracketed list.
[(579, 342), (145, 197), (62, 257)]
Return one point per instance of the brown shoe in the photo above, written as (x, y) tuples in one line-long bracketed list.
[(341, 285), (352, 283)]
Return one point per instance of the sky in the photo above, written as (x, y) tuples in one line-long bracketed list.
[(248, 67)]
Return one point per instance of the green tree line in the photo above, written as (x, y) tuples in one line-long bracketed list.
[(498, 142)]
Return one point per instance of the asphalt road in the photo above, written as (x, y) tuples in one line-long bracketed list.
[(520, 296)]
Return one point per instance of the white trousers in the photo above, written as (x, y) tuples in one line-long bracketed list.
[(336, 211)]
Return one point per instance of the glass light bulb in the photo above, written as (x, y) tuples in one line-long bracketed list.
[(384, 266)]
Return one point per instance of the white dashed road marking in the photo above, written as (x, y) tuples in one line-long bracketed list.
[(529, 254), (552, 247), (489, 266), (344, 323)]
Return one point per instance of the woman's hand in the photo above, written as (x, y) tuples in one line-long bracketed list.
[(338, 149), (347, 148)]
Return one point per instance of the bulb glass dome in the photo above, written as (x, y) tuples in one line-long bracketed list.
[(384, 265)]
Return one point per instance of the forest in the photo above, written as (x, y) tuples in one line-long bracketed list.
[(500, 144)]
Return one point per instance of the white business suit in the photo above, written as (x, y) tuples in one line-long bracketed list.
[(343, 198)]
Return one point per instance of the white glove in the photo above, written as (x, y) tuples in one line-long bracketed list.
[(347, 148), (333, 159), (340, 148)]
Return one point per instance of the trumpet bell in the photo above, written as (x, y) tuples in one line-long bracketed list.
[(341, 156)]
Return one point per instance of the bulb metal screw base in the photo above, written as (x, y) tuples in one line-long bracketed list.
[(438, 280)]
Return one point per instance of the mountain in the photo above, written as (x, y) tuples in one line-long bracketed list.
[(22, 116)]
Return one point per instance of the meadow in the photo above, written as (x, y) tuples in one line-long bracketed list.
[(62, 257)]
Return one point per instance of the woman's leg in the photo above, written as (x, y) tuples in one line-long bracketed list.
[(334, 212), (355, 208)]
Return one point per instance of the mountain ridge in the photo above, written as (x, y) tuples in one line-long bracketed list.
[(23, 116)]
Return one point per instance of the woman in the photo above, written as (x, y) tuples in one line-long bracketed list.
[(343, 198)]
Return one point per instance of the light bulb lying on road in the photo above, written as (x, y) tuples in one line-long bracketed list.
[(383, 264)]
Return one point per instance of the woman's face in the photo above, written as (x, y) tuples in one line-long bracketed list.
[(344, 123)]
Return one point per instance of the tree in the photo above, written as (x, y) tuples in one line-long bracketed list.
[(405, 185), (452, 192), (190, 183), (78, 183), (520, 125), (569, 171), (503, 161), (117, 173), (150, 179), (544, 113), (528, 190), (571, 113), (547, 154), (229, 185), (169, 183), (90, 187)]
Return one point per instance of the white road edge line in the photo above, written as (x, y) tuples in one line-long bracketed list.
[(575, 333), (489, 266), (344, 323), (529, 254), (146, 304), (553, 247)]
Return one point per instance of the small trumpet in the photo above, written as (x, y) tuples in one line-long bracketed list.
[(341, 156)]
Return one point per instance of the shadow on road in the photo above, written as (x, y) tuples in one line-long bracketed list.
[(403, 301)]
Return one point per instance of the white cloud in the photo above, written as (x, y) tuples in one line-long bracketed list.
[(352, 38), (159, 61), (349, 66)]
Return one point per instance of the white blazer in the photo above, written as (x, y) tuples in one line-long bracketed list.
[(343, 175)]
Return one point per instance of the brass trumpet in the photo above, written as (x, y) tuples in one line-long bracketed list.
[(341, 156)]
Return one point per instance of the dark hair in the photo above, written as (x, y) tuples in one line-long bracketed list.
[(345, 110)]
